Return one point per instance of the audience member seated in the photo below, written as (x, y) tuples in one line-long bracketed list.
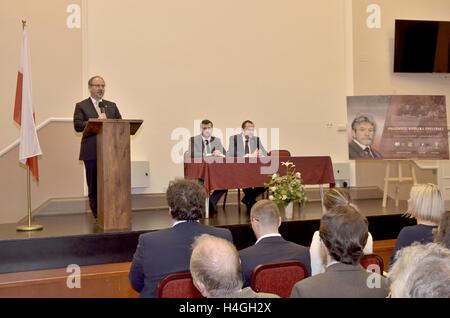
[(331, 199), (343, 232), (216, 270), (443, 232), (426, 205), (270, 246), (168, 251), (421, 271)]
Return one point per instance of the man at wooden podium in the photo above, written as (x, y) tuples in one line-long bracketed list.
[(93, 107)]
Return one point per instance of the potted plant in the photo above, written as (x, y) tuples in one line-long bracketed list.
[(287, 189)]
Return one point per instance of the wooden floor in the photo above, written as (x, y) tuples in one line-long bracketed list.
[(83, 224)]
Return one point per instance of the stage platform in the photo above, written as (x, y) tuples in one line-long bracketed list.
[(73, 239)]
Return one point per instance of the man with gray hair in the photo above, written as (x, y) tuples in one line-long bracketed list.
[(216, 269), (363, 133), (421, 271)]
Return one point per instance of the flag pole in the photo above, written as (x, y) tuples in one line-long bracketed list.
[(30, 227)]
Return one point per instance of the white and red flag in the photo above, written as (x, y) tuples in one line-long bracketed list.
[(29, 149)]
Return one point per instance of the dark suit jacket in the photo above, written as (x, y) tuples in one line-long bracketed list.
[(356, 152), (272, 250), (197, 146), (237, 147), (164, 252), (83, 111), (340, 281)]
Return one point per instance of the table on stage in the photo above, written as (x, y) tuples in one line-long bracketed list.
[(220, 173)]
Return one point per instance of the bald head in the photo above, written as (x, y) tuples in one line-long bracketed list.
[(265, 218), (215, 266)]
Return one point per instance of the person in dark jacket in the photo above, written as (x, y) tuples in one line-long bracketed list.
[(270, 246), (163, 252), (426, 205), (98, 108)]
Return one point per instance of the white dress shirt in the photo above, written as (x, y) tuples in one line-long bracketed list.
[(207, 146), (249, 146), (268, 235), (96, 103), (183, 221), (364, 147)]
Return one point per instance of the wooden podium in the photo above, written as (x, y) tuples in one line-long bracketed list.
[(113, 170)]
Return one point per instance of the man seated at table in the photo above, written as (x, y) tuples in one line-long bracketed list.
[(206, 145), (247, 145)]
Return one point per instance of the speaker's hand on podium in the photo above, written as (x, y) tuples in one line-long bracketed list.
[(102, 116)]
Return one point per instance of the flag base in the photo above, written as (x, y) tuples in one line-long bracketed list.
[(31, 228)]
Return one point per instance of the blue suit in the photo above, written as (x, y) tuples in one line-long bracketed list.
[(166, 251)]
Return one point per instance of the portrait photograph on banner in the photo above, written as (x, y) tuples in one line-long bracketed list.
[(397, 127)]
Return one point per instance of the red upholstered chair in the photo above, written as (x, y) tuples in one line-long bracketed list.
[(278, 278), (178, 285), (372, 259), (280, 153)]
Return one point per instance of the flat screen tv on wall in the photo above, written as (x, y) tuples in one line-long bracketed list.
[(422, 46)]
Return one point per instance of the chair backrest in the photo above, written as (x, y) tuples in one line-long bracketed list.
[(178, 285), (278, 278), (373, 259), (280, 153)]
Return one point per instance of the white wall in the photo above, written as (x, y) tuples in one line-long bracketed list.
[(279, 63)]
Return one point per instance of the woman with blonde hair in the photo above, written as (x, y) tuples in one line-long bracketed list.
[(426, 205), (333, 197)]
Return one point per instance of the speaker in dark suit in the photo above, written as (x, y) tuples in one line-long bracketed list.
[(270, 246), (93, 107), (247, 144), (161, 253)]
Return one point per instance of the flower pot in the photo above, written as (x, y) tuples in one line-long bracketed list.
[(289, 210)]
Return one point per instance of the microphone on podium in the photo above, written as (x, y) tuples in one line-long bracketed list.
[(101, 105)]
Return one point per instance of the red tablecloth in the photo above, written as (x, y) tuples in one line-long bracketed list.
[(221, 174)]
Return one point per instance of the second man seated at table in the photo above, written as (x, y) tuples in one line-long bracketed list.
[(206, 145), (246, 144)]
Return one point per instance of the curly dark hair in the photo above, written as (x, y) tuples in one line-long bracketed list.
[(344, 231), (186, 199)]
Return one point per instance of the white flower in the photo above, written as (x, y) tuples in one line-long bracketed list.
[(284, 197), (274, 176), (273, 189), (271, 197), (298, 175)]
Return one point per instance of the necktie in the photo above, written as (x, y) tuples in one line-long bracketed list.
[(208, 147), (247, 148), (368, 152)]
